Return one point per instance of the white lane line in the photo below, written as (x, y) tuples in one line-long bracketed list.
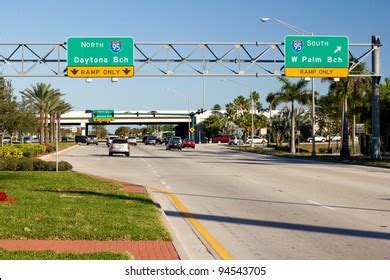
[(253, 181), (167, 187), (158, 175), (163, 182), (322, 205), (154, 171)]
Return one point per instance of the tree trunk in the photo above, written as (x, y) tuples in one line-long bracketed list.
[(42, 130), (292, 146), (46, 130), (345, 145)]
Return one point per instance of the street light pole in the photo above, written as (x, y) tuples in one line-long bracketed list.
[(303, 32), (252, 109)]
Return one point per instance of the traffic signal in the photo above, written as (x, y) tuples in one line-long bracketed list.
[(137, 114)]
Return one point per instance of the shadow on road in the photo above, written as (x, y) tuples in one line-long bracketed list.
[(284, 225), (285, 202)]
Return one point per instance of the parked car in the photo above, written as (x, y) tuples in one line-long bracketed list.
[(221, 139), (110, 138), (119, 146), (151, 140), (132, 140), (6, 139), (92, 139), (317, 139), (256, 140), (188, 143), (233, 140), (80, 139), (64, 139), (335, 138), (174, 143)]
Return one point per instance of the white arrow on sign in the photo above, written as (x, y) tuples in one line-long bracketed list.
[(338, 49)]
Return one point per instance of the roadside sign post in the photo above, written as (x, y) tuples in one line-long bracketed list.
[(100, 57), (298, 132), (360, 129)]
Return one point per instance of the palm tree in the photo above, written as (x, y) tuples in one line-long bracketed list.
[(270, 99), (38, 95), (58, 106), (292, 92), (346, 87)]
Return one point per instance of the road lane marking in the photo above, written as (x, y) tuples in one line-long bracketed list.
[(218, 247), (253, 181), (322, 205)]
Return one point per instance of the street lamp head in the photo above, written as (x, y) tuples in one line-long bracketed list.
[(265, 19)]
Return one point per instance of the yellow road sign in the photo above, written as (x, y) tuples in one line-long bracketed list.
[(192, 130), (100, 71), (316, 72)]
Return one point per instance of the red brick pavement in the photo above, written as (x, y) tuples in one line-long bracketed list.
[(141, 250)]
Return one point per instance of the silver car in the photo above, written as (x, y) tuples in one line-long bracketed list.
[(132, 140), (119, 146)]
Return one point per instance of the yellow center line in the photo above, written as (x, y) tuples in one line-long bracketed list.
[(221, 251)]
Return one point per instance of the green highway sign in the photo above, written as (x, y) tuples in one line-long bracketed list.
[(316, 56), (103, 115), (98, 57)]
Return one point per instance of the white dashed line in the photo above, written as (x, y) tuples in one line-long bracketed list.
[(319, 204), (253, 181)]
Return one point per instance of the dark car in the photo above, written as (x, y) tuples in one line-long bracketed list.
[(64, 139), (174, 143), (188, 143), (80, 139), (151, 140)]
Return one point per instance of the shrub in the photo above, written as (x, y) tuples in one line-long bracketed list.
[(29, 153), (10, 151), (64, 166), (25, 164), (50, 149), (11, 164), (32, 164)]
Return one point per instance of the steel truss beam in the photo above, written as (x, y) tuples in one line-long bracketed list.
[(170, 59)]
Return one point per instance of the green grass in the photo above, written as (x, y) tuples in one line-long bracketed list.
[(51, 255), (70, 205), (62, 145)]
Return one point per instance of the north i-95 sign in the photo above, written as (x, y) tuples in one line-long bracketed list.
[(316, 56), (100, 57)]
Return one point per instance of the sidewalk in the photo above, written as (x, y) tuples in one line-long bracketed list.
[(141, 250)]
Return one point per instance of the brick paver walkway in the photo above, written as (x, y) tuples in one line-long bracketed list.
[(141, 250)]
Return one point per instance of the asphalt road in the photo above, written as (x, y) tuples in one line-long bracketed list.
[(257, 206)]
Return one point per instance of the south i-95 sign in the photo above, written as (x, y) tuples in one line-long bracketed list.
[(316, 56)]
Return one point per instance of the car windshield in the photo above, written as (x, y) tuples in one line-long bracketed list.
[(119, 141)]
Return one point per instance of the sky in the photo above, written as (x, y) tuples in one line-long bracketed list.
[(178, 21)]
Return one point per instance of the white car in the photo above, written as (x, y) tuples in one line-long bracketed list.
[(317, 139), (132, 140), (235, 141), (110, 138), (119, 146), (256, 140), (335, 138)]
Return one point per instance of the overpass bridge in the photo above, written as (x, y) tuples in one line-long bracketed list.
[(84, 119)]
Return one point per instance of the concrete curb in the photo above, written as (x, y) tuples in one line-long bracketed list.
[(43, 157)]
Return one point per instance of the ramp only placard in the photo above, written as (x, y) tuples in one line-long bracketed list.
[(316, 56), (100, 57)]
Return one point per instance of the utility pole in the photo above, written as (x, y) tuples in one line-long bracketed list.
[(376, 140)]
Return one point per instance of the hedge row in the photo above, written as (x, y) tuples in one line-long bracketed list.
[(32, 164), (24, 150)]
